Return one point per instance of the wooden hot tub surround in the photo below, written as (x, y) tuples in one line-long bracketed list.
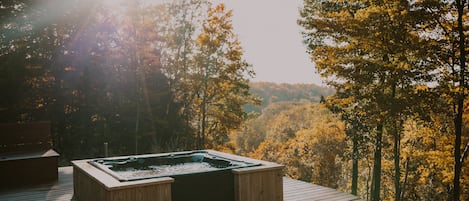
[(255, 183)]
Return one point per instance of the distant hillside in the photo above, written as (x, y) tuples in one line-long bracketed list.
[(273, 92)]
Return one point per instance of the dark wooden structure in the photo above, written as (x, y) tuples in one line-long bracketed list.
[(26, 154)]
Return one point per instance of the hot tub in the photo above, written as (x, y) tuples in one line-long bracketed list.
[(204, 175), (167, 165)]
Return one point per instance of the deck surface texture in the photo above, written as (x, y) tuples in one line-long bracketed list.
[(62, 190)]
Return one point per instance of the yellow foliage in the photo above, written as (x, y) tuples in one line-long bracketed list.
[(309, 140)]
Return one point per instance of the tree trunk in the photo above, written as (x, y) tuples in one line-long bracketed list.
[(397, 169), (376, 180), (354, 163), (368, 192), (406, 176), (460, 104), (457, 151), (396, 133), (204, 106), (204, 122)]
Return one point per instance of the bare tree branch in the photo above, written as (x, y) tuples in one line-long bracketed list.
[(464, 153)]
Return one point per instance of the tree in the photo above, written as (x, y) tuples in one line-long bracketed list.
[(427, 155), (444, 26), (88, 68), (459, 99), (219, 80), (30, 40), (373, 58), (309, 140), (182, 18), (356, 130)]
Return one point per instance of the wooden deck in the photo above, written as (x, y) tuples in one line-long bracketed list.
[(294, 190), (62, 190)]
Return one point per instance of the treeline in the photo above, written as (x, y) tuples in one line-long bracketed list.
[(142, 76), (397, 66), (269, 92)]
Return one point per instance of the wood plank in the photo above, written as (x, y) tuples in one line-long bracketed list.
[(259, 186), (302, 191)]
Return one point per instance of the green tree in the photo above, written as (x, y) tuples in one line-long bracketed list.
[(88, 68), (30, 41)]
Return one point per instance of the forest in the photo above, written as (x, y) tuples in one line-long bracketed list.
[(145, 77), (400, 73)]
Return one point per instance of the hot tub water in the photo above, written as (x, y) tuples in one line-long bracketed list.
[(136, 168)]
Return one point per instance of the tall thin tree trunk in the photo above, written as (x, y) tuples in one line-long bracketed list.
[(376, 180), (396, 133), (354, 163), (406, 176), (204, 123), (457, 151), (368, 182), (204, 107), (460, 103), (397, 169)]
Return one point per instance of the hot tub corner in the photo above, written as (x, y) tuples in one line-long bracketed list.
[(258, 183), (92, 184)]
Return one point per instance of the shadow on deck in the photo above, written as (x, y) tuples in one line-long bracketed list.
[(62, 190)]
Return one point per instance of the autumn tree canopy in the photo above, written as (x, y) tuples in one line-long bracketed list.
[(387, 59)]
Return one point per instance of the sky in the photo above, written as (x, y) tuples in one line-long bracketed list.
[(272, 40)]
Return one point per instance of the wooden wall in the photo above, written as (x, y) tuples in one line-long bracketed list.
[(86, 188), (259, 185)]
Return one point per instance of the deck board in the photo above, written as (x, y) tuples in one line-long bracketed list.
[(62, 190)]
